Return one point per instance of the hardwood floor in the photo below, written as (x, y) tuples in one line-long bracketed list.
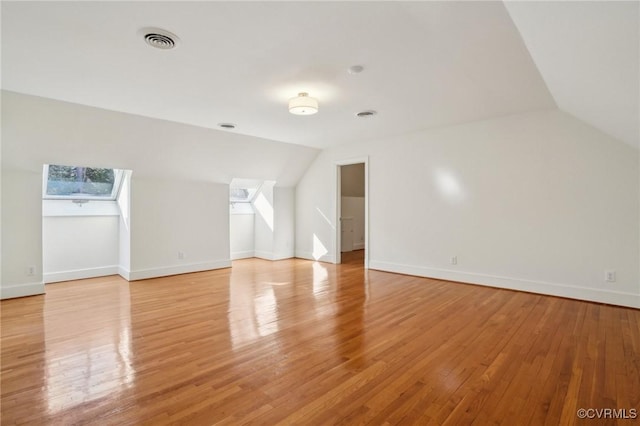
[(298, 342)]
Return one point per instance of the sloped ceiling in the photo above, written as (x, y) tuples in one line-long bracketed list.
[(588, 55), (426, 64)]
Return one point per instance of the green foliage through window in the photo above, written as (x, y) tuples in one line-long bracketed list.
[(80, 182)]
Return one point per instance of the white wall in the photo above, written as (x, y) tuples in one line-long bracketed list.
[(124, 226), (354, 207), (265, 229), (274, 222), (284, 222), (539, 202), (264, 222), (37, 131), (21, 233), (169, 217), (242, 235), (76, 247), (81, 240)]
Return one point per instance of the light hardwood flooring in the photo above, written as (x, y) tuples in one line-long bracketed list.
[(299, 342)]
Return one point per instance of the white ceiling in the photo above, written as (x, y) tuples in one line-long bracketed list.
[(426, 63), (587, 53)]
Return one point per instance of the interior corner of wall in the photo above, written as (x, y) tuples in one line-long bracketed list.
[(124, 273)]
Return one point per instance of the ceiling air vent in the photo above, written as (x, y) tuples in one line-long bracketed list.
[(366, 113), (160, 39)]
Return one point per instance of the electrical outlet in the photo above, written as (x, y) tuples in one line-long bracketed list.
[(31, 270), (610, 276), (454, 260), (181, 255)]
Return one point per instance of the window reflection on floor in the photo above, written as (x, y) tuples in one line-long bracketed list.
[(97, 364), (253, 311)]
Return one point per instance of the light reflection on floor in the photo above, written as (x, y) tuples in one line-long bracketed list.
[(97, 366)]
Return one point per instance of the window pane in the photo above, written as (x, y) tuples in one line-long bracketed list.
[(239, 195), (74, 181)]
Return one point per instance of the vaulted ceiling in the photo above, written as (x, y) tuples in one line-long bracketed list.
[(426, 64), (588, 55)]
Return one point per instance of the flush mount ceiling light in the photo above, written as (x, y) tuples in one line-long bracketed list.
[(303, 104), (159, 38)]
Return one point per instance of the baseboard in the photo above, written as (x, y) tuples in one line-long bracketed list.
[(21, 290), (283, 256), (124, 273), (309, 256), (242, 254), (267, 255), (142, 274), (79, 274), (358, 246), (553, 289)]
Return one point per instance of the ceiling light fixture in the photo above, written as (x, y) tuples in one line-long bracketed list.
[(303, 104)]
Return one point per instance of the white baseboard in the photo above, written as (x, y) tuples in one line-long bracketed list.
[(242, 254), (562, 290), (309, 256), (142, 274), (267, 255), (124, 273), (21, 290), (79, 274), (358, 246), (283, 256)]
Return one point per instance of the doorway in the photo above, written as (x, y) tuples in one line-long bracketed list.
[(352, 212)]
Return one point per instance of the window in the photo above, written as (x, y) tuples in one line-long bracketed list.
[(243, 190), (242, 195), (80, 183)]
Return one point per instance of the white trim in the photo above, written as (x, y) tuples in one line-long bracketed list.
[(242, 254), (336, 258), (307, 255), (21, 290), (553, 289), (283, 256), (358, 246), (124, 273), (65, 208), (80, 274), (267, 255), (143, 274)]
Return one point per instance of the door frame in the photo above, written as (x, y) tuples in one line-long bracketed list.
[(338, 207)]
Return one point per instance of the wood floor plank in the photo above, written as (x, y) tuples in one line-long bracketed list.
[(300, 342)]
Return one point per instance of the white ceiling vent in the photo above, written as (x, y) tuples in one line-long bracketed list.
[(159, 38)]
